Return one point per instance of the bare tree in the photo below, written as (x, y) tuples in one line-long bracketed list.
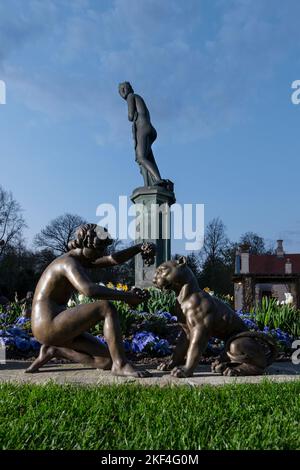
[(215, 240), (257, 243), (11, 220), (57, 234), (217, 264)]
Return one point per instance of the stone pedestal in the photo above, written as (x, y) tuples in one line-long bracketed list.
[(153, 224)]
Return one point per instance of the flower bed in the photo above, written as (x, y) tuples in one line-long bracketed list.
[(152, 329)]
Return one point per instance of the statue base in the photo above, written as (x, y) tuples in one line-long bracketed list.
[(153, 224)]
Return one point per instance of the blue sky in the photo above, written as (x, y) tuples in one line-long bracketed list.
[(216, 75)]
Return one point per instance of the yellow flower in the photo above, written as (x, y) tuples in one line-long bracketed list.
[(206, 289), (120, 286), (110, 285)]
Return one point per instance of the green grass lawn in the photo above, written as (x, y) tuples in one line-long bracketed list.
[(262, 416)]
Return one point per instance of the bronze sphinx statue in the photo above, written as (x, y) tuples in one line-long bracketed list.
[(63, 331), (201, 317)]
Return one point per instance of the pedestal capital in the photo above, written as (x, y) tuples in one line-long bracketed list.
[(157, 193)]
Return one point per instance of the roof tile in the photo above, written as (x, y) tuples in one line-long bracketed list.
[(272, 264)]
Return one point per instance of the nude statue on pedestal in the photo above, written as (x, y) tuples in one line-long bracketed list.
[(144, 134)]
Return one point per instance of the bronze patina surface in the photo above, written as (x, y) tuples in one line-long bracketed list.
[(144, 134), (203, 317), (64, 331)]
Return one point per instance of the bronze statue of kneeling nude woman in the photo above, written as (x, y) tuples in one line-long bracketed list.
[(63, 331)]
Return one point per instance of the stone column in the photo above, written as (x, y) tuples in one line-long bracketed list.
[(153, 224), (248, 293), (238, 296), (297, 289)]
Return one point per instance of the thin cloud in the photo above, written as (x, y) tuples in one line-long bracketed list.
[(194, 80)]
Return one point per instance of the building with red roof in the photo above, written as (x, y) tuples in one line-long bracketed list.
[(271, 275)]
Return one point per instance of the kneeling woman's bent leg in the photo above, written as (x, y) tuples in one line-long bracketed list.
[(85, 349), (71, 323)]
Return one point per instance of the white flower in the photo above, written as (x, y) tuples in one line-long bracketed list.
[(288, 298), (211, 292), (101, 284), (81, 298), (71, 303)]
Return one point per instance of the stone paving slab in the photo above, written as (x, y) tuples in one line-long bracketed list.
[(13, 371)]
